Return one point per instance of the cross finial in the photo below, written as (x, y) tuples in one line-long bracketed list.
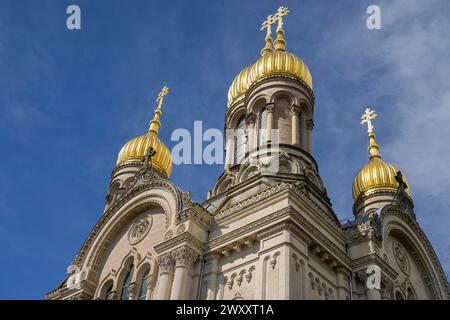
[(367, 117), (281, 12), (148, 155), (267, 24), (155, 123), (164, 92)]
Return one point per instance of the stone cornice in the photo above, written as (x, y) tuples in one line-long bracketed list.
[(197, 214), (283, 214), (183, 238), (373, 258), (257, 198)]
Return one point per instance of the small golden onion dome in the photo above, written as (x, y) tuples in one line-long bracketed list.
[(271, 64), (135, 149), (376, 176)]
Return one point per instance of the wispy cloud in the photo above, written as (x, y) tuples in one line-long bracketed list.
[(405, 68)]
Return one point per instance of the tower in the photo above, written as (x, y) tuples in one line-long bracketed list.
[(385, 236)]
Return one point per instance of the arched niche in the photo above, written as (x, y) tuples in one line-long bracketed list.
[(110, 237), (408, 255), (282, 118)]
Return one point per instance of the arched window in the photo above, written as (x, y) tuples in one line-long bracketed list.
[(108, 291), (262, 127), (144, 285), (299, 128), (239, 142), (127, 284), (398, 296), (411, 295)]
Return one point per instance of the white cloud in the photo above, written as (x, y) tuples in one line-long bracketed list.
[(407, 63)]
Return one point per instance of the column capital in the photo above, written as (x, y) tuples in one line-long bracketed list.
[(343, 270), (251, 118), (166, 262), (185, 255), (113, 295), (270, 107), (295, 110), (212, 256), (133, 291)]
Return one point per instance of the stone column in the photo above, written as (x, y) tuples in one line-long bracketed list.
[(213, 259), (166, 265), (150, 288), (185, 257), (229, 149), (342, 277), (269, 122), (250, 124), (309, 127), (295, 133), (371, 294)]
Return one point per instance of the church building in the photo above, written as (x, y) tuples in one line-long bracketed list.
[(267, 229)]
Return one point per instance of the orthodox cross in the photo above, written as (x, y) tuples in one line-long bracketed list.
[(267, 24), (148, 155), (367, 117), (164, 92), (402, 186), (400, 199), (281, 12)]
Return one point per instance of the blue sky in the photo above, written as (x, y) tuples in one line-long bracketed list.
[(69, 100)]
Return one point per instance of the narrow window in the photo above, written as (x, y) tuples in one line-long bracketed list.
[(262, 126), (239, 142), (144, 285), (127, 284)]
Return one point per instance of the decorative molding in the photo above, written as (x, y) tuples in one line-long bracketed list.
[(110, 212), (166, 263), (401, 257), (185, 237), (253, 199), (139, 229), (184, 255)]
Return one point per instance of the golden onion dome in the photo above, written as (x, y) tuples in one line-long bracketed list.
[(135, 149), (376, 176), (272, 63)]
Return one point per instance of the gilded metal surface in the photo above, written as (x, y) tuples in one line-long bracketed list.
[(376, 176), (276, 63), (135, 149)]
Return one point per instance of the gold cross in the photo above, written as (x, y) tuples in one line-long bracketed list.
[(164, 92), (281, 12), (267, 24), (367, 117)]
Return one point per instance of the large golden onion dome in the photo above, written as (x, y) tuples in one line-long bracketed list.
[(376, 176), (272, 63), (136, 149)]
